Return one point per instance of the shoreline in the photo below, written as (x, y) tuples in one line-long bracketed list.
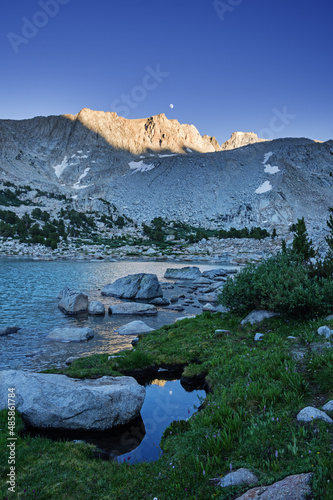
[(231, 251)]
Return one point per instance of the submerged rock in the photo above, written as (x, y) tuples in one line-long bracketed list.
[(71, 334), (57, 401), (9, 330), (133, 308)]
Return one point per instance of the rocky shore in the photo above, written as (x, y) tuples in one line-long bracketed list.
[(232, 251)]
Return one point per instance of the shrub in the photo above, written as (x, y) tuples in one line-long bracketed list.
[(282, 283)]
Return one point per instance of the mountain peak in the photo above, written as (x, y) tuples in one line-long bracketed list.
[(156, 133), (239, 139)]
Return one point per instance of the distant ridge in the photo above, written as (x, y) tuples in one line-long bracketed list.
[(155, 167), (156, 133), (240, 139)]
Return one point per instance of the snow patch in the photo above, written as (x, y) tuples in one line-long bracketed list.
[(271, 170), (81, 187), (264, 188), (139, 166), (74, 197), (189, 150), (267, 157), (60, 168), (82, 176), (165, 156), (80, 152)]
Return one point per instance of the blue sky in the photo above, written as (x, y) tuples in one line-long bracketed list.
[(225, 65)]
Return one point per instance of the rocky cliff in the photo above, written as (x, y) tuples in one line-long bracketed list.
[(156, 133), (157, 167), (240, 139)]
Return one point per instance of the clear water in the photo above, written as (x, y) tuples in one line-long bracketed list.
[(139, 441), (166, 401), (28, 299)]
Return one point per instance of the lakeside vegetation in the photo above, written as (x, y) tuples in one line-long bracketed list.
[(248, 420)]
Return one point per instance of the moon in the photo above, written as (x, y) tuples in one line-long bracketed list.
[(171, 106)]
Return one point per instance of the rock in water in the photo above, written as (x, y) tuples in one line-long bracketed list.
[(184, 273), (135, 286), (56, 401), (71, 334), (73, 302), (96, 308), (9, 330), (135, 328), (133, 308)]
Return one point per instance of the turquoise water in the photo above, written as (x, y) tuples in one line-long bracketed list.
[(28, 299)]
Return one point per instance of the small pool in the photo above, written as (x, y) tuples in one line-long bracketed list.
[(139, 441)]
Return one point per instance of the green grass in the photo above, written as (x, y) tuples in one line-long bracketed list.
[(249, 420)]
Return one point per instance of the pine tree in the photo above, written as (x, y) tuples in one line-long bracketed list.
[(301, 243), (329, 238)]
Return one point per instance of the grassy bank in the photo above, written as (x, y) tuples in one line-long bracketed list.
[(248, 420)]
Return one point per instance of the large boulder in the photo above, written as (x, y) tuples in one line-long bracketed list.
[(135, 328), (71, 334), (295, 487), (135, 286), (57, 401), (73, 302), (133, 308), (184, 273)]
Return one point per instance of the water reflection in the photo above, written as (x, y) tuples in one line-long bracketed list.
[(165, 401)]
